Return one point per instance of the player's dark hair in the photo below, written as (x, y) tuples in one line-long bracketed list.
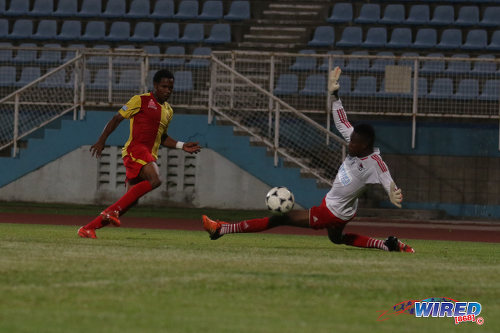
[(366, 132), (161, 74)]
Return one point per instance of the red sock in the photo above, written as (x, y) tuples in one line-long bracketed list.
[(254, 225), (96, 223), (363, 241), (135, 192)]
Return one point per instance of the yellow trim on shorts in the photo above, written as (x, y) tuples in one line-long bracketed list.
[(137, 159)]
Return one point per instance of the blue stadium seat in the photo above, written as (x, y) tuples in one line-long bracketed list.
[(393, 14), (422, 87), (288, 84), (400, 38), (341, 13), (51, 54), (450, 39), (366, 86), (345, 85), (351, 37), (95, 31), (304, 63), (119, 32), (188, 10), (90, 8), (18, 8), (4, 28), (485, 67), (443, 15), (468, 16), (2, 7), (193, 33), (47, 29), (143, 32), (407, 62), (441, 88), (375, 38), (169, 32), (126, 60), (467, 89), (56, 80), (42, 8), (114, 9), (239, 10), (66, 8), (419, 14), (163, 9), (177, 61), (129, 79), (138, 9), (358, 64), (70, 54), (99, 59), (335, 61), (183, 81), (490, 17), (101, 80), (7, 76), (459, 67), (490, 91), (152, 50), (494, 45), (477, 39), (70, 30), (198, 62), (28, 74), (315, 85), (426, 39), (212, 10), (369, 13), (433, 66), (379, 65), (219, 34), (22, 29), (323, 36)]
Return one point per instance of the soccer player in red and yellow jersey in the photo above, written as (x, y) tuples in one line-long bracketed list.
[(149, 116)]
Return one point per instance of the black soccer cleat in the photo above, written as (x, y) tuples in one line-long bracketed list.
[(394, 244)]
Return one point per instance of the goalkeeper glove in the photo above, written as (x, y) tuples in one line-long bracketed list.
[(333, 81), (395, 195)]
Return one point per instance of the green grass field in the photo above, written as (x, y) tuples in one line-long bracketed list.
[(142, 280)]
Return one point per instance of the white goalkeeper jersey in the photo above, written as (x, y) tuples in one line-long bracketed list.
[(354, 173)]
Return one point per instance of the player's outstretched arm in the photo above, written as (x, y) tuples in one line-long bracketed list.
[(97, 148), (188, 147)]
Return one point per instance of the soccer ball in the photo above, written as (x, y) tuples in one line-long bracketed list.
[(280, 200)]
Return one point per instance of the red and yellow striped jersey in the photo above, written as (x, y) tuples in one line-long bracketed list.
[(148, 122)]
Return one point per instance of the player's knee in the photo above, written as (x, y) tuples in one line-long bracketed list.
[(335, 237), (155, 182), (277, 220)]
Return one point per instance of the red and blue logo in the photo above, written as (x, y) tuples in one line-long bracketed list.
[(438, 307)]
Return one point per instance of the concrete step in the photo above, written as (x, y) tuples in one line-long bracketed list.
[(405, 214), (274, 29), (276, 13), (269, 46), (311, 7)]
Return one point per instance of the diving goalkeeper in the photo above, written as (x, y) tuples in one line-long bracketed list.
[(362, 166)]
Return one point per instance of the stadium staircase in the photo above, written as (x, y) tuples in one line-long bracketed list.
[(283, 25)]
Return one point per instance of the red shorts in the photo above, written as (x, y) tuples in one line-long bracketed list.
[(136, 158), (321, 217)]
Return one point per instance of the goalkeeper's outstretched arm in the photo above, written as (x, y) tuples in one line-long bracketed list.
[(339, 116)]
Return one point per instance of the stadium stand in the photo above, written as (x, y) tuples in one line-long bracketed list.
[(70, 31), (376, 37), (169, 32), (119, 32), (183, 81), (239, 11), (47, 29), (441, 88), (366, 86), (28, 74), (467, 89), (304, 63), (174, 62), (477, 39), (23, 29), (90, 8), (315, 84), (188, 9), (94, 31), (468, 16), (494, 45), (143, 32), (66, 8), (336, 61), (197, 62), (450, 39), (419, 15), (393, 14), (341, 13), (400, 38), (443, 15), (7, 76), (287, 84), (370, 13), (138, 9), (426, 38), (42, 8), (193, 33), (50, 55), (114, 9), (163, 9), (459, 67), (212, 10), (323, 36), (219, 34), (4, 28), (18, 8), (351, 37)]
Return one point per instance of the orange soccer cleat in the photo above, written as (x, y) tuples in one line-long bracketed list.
[(394, 244), (111, 217), (86, 233), (212, 227)]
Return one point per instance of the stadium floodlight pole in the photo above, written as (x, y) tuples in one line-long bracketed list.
[(415, 104)]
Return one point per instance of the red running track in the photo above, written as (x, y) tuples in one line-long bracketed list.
[(431, 230)]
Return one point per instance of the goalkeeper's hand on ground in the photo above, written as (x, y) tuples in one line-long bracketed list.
[(395, 195), (333, 81)]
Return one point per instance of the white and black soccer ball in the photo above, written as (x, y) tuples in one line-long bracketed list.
[(280, 200)]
